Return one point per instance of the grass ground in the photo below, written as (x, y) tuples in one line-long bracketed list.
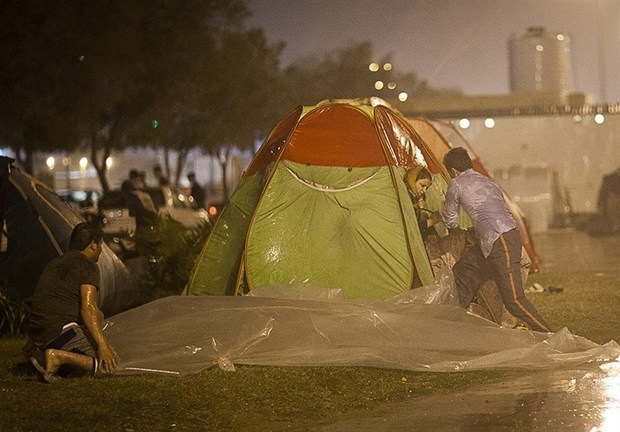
[(272, 398)]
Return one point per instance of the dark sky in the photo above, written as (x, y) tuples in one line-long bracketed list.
[(453, 43)]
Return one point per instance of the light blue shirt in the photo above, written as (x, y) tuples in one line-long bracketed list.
[(483, 200)]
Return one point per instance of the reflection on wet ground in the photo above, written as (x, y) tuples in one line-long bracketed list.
[(586, 399)]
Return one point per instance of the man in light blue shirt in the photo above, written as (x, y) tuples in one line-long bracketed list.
[(498, 255)]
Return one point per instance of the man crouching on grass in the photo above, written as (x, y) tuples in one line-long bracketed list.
[(65, 322)]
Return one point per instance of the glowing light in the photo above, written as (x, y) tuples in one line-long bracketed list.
[(464, 123), (66, 161), (373, 67), (379, 85), (599, 119), (212, 210), (489, 123), (539, 48), (611, 415), (387, 67), (560, 37), (154, 123), (83, 163), (402, 96), (81, 58), (391, 85), (108, 162), (50, 162)]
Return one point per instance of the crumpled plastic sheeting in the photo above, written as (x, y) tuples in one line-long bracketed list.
[(184, 334)]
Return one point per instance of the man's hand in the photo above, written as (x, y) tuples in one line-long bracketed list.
[(448, 259), (435, 217), (91, 315), (108, 359)]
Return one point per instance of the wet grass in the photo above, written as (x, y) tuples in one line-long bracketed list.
[(587, 306), (272, 398)]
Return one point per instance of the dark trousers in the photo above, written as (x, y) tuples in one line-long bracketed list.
[(503, 266)]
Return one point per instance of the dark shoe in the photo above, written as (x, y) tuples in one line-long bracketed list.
[(43, 375)]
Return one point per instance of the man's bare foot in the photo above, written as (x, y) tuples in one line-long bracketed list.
[(42, 374)]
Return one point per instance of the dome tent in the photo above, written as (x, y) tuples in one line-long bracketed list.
[(36, 227), (324, 203)]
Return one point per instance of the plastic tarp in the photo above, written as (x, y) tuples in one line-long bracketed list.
[(185, 334)]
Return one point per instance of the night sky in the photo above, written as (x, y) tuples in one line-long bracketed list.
[(453, 43)]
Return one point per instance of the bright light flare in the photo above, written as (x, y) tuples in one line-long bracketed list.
[(599, 119), (402, 96), (464, 123), (50, 162)]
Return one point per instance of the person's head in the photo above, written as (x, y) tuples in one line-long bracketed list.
[(157, 170), (191, 176), (87, 238), (456, 161), (419, 179), (133, 174)]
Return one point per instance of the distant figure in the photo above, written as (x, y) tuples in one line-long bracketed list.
[(65, 321), (138, 202), (197, 192), (497, 253), (161, 179)]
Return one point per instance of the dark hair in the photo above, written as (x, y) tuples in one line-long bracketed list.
[(424, 174), (83, 234), (457, 158)]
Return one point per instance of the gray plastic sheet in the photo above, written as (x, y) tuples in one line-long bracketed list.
[(186, 334)]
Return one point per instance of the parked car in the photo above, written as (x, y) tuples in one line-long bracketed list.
[(84, 201), (169, 199)]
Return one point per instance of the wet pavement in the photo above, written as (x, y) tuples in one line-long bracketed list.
[(578, 399), (587, 400)]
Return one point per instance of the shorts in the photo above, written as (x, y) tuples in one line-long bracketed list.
[(73, 338)]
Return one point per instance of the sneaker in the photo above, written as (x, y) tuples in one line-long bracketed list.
[(536, 288)]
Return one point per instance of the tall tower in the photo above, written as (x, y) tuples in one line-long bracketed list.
[(539, 62)]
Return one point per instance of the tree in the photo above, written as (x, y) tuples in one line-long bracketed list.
[(83, 72), (345, 73), (223, 101), (246, 96), (35, 73)]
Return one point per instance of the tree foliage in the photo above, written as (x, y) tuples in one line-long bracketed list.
[(344, 73), (172, 74), (83, 72)]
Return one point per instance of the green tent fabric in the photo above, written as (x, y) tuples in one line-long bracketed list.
[(324, 203)]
